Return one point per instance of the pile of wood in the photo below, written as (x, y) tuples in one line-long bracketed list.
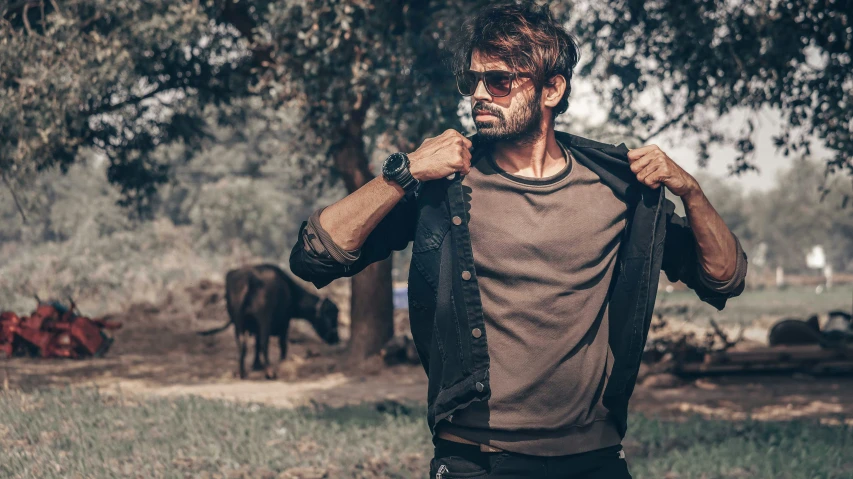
[(54, 331), (795, 346), (809, 358)]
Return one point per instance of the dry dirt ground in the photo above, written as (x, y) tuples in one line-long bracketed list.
[(158, 353)]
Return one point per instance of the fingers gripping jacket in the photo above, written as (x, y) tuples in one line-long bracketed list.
[(473, 139)]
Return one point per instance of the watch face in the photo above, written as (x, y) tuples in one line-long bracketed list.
[(394, 163)]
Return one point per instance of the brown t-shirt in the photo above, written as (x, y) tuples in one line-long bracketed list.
[(544, 253)]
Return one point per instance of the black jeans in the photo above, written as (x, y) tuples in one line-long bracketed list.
[(455, 460)]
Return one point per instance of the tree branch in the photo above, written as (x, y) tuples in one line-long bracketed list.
[(130, 101), (27, 20), (15, 197), (665, 126), (15, 6)]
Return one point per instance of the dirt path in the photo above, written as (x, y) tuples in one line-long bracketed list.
[(157, 353), (758, 397)]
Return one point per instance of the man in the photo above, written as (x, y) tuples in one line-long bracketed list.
[(535, 261)]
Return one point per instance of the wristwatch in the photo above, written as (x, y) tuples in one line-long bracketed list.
[(396, 168)]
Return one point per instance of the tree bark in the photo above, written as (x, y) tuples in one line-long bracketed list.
[(372, 311), (371, 305)]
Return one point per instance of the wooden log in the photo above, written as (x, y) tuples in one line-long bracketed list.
[(821, 367), (780, 354)]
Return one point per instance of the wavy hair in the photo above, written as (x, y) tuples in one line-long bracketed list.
[(525, 36)]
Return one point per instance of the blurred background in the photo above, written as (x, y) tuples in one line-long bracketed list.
[(148, 147)]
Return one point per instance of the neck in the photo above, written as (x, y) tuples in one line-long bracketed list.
[(539, 157)]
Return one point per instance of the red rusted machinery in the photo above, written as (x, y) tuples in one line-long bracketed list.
[(54, 331)]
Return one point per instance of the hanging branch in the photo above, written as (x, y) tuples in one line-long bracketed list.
[(664, 126), (15, 197)]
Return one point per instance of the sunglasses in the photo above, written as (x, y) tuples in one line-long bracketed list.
[(498, 82)]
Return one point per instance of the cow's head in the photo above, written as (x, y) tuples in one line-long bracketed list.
[(326, 321)]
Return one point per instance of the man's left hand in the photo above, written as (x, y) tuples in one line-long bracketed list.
[(654, 168)]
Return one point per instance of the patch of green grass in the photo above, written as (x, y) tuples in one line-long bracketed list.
[(81, 433), (64, 433), (793, 302), (705, 449)]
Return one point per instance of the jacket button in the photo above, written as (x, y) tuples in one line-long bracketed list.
[(457, 220), (476, 332), (479, 387), (466, 275)]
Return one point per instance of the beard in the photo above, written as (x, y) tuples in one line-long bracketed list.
[(523, 125)]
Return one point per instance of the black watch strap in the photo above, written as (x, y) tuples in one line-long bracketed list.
[(406, 180)]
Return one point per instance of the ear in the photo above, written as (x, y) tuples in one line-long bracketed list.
[(553, 90)]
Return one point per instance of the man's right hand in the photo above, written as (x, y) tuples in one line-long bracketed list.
[(441, 156)]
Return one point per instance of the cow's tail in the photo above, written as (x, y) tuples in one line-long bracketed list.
[(253, 284), (214, 330)]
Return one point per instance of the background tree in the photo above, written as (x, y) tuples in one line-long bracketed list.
[(683, 65), (373, 81), (122, 77), (127, 78), (797, 214), (131, 79)]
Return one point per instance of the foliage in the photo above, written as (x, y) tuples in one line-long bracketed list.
[(803, 209), (673, 64), (128, 77), (123, 77), (234, 203), (369, 77), (374, 68), (280, 101)]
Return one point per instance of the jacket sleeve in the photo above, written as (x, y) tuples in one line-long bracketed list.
[(316, 258), (681, 263)]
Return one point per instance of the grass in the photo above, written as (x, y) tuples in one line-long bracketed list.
[(792, 302), (707, 449), (81, 433)]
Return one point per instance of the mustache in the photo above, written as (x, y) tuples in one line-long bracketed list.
[(481, 108)]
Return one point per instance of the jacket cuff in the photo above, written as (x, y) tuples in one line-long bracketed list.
[(320, 241), (725, 286)]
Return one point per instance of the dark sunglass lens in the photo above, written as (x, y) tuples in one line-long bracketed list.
[(466, 82), (499, 83)]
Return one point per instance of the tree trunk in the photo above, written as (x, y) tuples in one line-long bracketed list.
[(371, 306), (372, 313)]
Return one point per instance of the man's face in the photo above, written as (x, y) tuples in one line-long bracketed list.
[(516, 117)]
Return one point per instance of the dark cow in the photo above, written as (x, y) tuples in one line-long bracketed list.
[(261, 301)]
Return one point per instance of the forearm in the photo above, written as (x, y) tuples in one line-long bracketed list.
[(715, 245), (350, 220)]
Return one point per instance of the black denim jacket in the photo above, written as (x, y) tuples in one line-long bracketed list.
[(444, 299)]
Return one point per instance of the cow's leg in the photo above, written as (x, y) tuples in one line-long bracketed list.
[(242, 345), (282, 346), (264, 343), (282, 340), (257, 365)]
